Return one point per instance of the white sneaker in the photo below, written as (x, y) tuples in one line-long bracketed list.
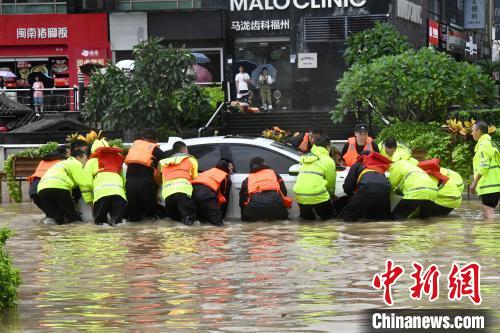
[(37, 114)]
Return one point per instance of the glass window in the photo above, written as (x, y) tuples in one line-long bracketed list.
[(207, 155), (243, 154)]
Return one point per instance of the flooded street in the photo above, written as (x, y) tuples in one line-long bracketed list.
[(263, 277)]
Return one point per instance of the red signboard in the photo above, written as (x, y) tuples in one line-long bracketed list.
[(433, 33)]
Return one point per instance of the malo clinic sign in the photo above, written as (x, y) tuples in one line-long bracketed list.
[(266, 5)]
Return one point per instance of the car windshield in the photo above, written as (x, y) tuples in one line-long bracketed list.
[(287, 148)]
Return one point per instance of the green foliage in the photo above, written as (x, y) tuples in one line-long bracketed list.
[(118, 143), (368, 45), (408, 131), (157, 93), (491, 116), (14, 188), (215, 96), (416, 85), (462, 156), (9, 275)]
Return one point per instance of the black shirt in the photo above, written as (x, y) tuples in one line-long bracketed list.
[(359, 148), (139, 169)]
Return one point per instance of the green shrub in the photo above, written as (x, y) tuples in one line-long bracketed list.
[(407, 131), (491, 116), (9, 275)]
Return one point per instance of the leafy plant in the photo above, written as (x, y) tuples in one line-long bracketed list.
[(413, 86), (9, 275), (464, 129), (158, 93), (276, 134), (14, 188), (368, 45)]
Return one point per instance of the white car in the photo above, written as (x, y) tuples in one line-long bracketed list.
[(281, 158)]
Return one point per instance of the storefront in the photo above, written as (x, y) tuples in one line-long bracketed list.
[(52, 47), (303, 41)]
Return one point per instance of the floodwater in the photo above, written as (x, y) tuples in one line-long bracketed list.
[(263, 277)]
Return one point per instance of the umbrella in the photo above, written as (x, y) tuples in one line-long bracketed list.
[(248, 65), (89, 68), (271, 70), (203, 75), (47, 81), (7, 74), (200, 58), (127, 65)]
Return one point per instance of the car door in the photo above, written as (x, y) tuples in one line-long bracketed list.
[(208, 155), (241, 155)]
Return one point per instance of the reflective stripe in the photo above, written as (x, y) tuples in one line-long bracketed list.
[(490, 186), (108, 185), (400, 184), (54, 178), (460, 185), (176, 183), (449, 197), (423, 188), (495, 167), (312, 194), (312, 173)]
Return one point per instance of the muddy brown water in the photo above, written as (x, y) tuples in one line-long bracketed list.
[(262, 277)]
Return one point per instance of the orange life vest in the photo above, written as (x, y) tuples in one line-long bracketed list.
[(212, 179), (41, 169), (265, 180), (141, 152), (110, 159), (177, 171), (352, 154), (304, 145)]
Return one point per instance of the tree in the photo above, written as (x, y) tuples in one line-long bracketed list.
[(416, 85), (366, 46), (157, 93)]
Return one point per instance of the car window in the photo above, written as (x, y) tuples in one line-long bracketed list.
[(207, 155), (287, 148), (242, 154)]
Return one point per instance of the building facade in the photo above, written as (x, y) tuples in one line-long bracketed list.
[(302, 40)]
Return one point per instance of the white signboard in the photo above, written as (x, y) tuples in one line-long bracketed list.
[(308, 60), (249, 5), (474, 14)]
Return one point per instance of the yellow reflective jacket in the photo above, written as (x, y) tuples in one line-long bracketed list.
[(178, 185), (65, 175), (402, 153), (413, 182), (101, 184), (487, 164), (316, 181), (450, 194)]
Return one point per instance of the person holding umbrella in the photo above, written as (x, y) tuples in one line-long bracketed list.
[(265, 81), (38, 96), (242, 80)]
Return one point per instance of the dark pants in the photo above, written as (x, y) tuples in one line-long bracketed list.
[(430, 209), (180, 206), (207, 206), (324, 210), (142, 195), (373, 205), (114, 205), (406, 207), (33, 192), (58, 204), (264, 206)]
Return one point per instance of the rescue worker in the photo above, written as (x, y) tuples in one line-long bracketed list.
[(396, 151), (368, 189), (450, 187), (417, 188), (263, 194), (358, 143), (315, 185), (211, 190), (141, 186), (54, 189), (83, 146), (178, 171), (60, 154), (305, 141), (104, 176), (486, 166)]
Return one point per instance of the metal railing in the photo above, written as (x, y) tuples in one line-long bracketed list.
[(54, 99), (33, 8), (216, 113)]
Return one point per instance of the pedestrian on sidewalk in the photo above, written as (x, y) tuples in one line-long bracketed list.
[(38, 96), (265, 81)]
